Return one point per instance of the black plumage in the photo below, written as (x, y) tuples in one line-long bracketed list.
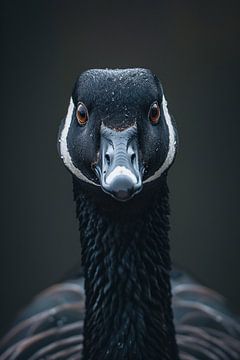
[(125, 303)]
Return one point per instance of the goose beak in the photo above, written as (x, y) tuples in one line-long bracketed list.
[(118, 167)]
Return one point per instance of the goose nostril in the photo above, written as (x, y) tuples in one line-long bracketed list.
[(107, 158), (133, 157)]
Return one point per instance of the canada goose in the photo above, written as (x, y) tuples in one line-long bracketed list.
[(118, 140)]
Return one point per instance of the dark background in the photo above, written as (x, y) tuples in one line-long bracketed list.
[(193, 48)]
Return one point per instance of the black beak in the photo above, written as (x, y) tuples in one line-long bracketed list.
[(118, 167)]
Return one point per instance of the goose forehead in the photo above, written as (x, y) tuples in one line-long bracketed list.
[(121, 75), (130, 87)]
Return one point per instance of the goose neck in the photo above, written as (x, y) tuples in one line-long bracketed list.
[(128, 296)]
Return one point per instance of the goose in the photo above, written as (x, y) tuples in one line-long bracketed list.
[(118, 141)]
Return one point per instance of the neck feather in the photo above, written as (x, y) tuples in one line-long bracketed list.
[(128, 296)]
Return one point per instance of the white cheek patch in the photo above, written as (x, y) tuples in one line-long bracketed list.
[(171, 146), (119, 171), (65, 155)]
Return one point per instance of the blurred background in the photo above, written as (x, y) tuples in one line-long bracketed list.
[(193, 47)]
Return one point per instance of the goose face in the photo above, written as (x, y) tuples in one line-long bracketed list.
[(118, 134)]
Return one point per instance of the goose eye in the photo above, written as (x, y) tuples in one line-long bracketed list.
[(154, 113), (82, 114)]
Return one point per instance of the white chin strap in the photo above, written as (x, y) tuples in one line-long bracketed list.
[(171, 145), (65, 155)]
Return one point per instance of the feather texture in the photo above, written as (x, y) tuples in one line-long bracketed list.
[(52, 326)]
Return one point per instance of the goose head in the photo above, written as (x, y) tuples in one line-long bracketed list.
[(118, 136)]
